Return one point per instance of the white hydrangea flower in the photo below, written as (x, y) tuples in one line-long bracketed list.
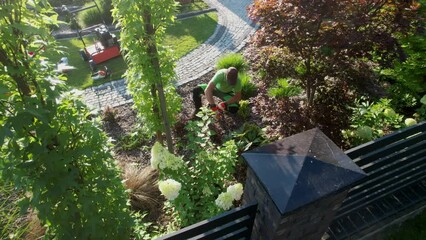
[(410, 122), (236, 191), (170, 188), (224, 200), (156, 155), (161, 158)]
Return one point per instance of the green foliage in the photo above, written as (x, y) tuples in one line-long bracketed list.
[(51, 147), (402, 97), (203, 176), (284, 89), (421, 112), (248, 88), (244, 110), (232, 60), (411, 72), (144, 230), (132, 141), (371, 120), (408, 75), (248, 136), (150, 72), (64, 169)]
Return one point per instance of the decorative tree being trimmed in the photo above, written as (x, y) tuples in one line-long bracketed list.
[(151, 65), (330, 40), (51, 148)]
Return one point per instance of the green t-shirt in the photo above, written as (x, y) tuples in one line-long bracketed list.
[(222, 85)]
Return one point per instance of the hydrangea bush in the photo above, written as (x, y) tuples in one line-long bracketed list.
[(372, 120), (203, 185)]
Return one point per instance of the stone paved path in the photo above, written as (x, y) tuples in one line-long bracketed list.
[(230, 35)]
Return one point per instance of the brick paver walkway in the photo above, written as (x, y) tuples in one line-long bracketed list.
[(231, 34)]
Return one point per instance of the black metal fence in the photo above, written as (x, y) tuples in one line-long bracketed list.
[(396, 181), (234, 224)]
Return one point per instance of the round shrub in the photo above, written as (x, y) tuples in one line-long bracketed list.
[(365, 133)]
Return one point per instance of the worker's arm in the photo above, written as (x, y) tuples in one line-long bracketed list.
[(209, 92), (235, 99)]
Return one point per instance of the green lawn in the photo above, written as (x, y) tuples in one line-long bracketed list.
[(189, 33), (183, 36), (197, 5)]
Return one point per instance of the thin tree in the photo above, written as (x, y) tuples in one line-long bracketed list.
[(151, 65)]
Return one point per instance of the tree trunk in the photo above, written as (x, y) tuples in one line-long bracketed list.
[(23, 87), (153, 55), (155, 109), (310, 91)]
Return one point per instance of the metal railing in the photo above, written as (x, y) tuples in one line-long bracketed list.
[(396, 181), (234, 224)]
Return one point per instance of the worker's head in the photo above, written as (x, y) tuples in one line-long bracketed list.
[(232, 75)]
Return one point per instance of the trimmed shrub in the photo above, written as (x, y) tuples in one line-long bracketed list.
[(249, 89), (232, 60), (244, 110)]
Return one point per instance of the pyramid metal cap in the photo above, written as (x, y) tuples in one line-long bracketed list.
[(302, 168)]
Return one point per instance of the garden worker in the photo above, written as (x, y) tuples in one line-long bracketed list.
[(226, 85)]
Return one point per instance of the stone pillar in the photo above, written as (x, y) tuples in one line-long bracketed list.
[(299, 184)]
